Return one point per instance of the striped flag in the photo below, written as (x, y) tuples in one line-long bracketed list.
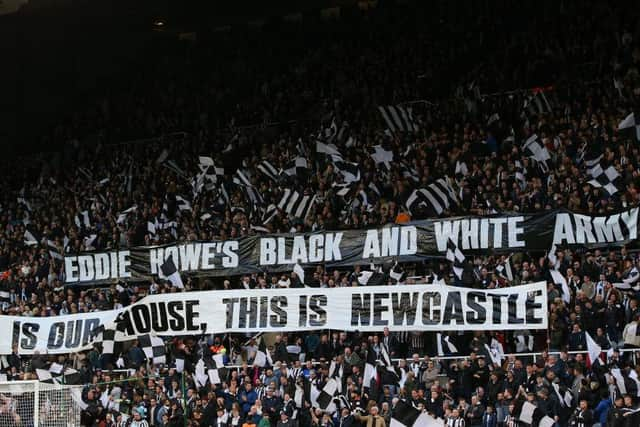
[(398, 118), (456, 257), (267, 168), (434, 199), (295, 204)]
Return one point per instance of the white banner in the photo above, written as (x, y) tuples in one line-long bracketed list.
[(366, 309)]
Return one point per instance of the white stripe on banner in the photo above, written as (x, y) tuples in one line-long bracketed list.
[(369, 309)]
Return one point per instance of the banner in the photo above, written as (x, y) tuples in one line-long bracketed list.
[(366, 309), (412, 242)]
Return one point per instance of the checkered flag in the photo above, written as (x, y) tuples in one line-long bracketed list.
[(607, 178), (325, 399), (456, 257), (296, 167), (215, 369), (107, 337), (405, 415), (153, 348)]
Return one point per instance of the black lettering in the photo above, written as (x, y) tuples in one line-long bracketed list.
[(318, 316), (379, 308), (404, 305), (431, 303), (513, 314), (192, 315), (141, 318), (279, 318), (91, 330), (15, 336), (73, 334), (124, 324), (248, 310), (29, 340), (264, 308), (159, 321), (479, 314), (302, 309), (453, 309), (360, 310), (230, 303), (497, 308), (532, 305), (177, 321), (56, 335)]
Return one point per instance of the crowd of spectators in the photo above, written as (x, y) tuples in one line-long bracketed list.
[(265, 96)]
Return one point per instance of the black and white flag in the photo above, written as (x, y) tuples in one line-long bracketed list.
[(537, 151), (268, 170), (250, 191), (434, 199), (538, 103), (32, 237), (521, 175), (295, 204), (153, 347), (398, 118), (183, 204), (381, 156), (444, 345), (405, 415), (122, 217), (371, 278), (296, 167), (455, 255), (263, 357), (325, 399), (82, 220), (216, 371), (397, 274), (609, 178), (350, 171), (630, 122), (170, 271)]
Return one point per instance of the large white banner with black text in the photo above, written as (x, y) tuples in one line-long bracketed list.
[(367, 309)]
